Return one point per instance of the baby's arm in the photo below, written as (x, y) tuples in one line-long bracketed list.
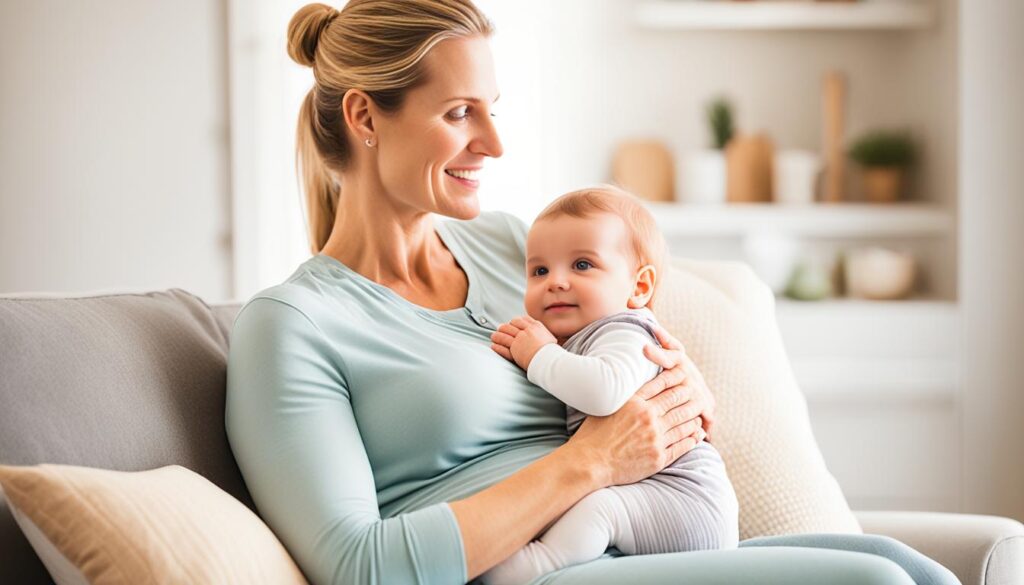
[(600, 382), (520, 339)]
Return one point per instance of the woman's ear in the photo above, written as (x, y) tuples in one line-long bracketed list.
[(643, 288), (359, 110)]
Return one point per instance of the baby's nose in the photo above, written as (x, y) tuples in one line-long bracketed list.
[(558, 284)]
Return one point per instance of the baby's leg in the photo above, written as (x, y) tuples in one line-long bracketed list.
[(582, 534), (688, 506)]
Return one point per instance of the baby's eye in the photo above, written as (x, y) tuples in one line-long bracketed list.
[(582, 265), (460, 113), (540, 271)]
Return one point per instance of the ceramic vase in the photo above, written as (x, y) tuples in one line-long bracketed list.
[(702, 177)]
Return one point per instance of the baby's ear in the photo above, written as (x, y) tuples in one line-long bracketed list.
[(643, 287)]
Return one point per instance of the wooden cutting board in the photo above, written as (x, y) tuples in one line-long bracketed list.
[(748, 161)]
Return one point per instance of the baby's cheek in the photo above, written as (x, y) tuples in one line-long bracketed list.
[(534, 307)]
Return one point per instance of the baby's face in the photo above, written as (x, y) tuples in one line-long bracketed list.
[(578, 270)]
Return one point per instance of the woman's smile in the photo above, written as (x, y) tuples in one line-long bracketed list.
[(468, 178)]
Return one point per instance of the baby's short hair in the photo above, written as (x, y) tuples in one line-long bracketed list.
[(647, 242)]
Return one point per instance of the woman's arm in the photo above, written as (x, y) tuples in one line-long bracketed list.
[(293, 433), (654, 428)]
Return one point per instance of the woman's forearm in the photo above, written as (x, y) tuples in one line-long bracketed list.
[(503, 518)]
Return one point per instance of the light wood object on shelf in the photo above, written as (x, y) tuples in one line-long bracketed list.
[(748, 161), (834, 105), (645, 168)]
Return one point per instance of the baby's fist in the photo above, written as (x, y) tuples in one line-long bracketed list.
[(532, 336)]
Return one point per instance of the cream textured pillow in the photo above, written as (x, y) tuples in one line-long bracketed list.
[(167, 525), (725, 317)]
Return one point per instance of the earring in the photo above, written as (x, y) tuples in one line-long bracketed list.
[(369, 142)]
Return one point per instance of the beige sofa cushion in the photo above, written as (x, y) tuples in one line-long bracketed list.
[(725, 317), (167, 525), (978, 549)]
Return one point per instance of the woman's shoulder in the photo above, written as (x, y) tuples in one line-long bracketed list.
[(303, 296), (497, 231)]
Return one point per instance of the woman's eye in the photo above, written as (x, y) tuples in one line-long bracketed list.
[(540, 271), (582, 265), (460, 113)]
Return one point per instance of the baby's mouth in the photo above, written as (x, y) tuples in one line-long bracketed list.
[(559, 307)]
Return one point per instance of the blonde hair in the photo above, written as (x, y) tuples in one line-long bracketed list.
[(373, 45), (647, 243)]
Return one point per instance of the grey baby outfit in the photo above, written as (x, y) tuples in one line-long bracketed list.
[(690, 505)]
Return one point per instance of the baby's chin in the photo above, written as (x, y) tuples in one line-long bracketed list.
[(560, 329)]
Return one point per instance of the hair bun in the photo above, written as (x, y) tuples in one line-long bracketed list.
[(304, 31)]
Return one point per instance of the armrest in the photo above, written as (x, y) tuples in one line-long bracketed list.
[(979, 550)]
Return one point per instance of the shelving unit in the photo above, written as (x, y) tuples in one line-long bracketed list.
[(720, 15), (879, 376), (904, 220)]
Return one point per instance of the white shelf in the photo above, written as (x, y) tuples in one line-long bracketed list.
[(723, 15), (844, 220)]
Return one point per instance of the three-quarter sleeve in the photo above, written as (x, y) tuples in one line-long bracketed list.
[(294, 435)]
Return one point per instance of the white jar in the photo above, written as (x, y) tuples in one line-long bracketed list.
[(795, 176), (701, 177)]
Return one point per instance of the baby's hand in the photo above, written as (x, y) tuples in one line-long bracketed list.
[(520, 339)]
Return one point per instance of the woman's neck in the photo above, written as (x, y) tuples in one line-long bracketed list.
[(397, 248)]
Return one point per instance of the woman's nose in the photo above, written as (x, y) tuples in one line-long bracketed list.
[(487, 141)]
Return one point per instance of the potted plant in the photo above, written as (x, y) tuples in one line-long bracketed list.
[(885, 156), (720, 120), (702, 179)]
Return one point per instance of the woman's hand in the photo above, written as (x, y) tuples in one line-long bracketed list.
[(670, 355), (660, 423)]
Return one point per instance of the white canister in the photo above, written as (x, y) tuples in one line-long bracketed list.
[(795, 176), (701, 177)]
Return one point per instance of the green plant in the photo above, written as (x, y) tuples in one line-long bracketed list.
[(882, 148), (720, 118)]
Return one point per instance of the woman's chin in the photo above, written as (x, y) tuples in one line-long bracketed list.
[(466, 208)]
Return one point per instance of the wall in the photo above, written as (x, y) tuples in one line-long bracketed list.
[(991, 280), (113, 146)]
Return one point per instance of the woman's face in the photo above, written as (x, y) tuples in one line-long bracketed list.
[(433, 149)]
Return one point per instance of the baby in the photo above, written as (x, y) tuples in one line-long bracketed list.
[(593, 263)]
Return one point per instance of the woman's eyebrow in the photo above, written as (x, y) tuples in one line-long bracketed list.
[(469, 99)]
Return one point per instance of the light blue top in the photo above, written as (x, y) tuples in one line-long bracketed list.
[(355, 416)]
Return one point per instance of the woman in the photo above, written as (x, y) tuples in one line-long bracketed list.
[(379, 435)]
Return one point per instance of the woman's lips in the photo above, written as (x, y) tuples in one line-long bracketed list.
[(468, 183)]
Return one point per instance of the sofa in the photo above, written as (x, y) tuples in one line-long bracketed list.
[(136, 381)]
